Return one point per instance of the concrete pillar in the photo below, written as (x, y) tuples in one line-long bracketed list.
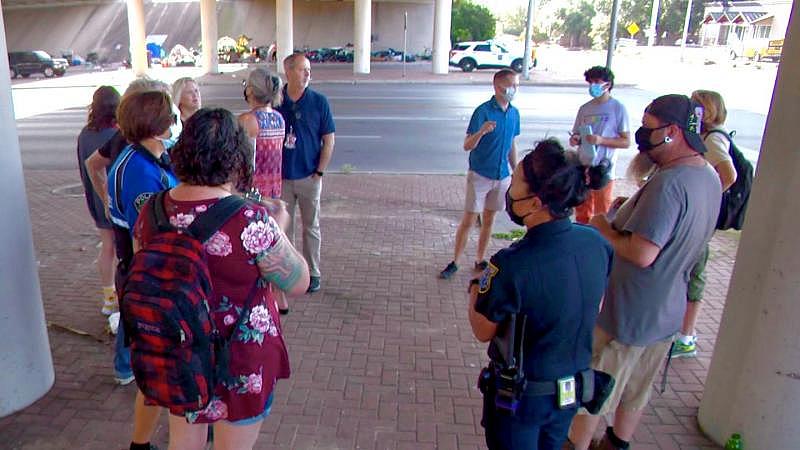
[(363, 35), (284, 30), (209, 33), (441, 36), (753, 384), (136, 31), (25, 361)]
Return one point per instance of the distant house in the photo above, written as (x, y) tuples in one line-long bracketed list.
[(736, 23)]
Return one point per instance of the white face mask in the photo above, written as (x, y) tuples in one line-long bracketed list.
[(174, 131), (509, 93)]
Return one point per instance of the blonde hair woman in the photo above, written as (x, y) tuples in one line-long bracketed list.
[(186, 95)]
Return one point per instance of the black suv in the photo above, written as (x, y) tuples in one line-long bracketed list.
[(26, 63)]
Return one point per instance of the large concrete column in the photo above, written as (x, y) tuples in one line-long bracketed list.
[(284, 30), (209, 33), (25, 362), (136, 31), (753, 384), (441, 36), (363, 35)]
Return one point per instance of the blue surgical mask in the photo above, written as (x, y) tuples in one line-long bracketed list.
[(509, 93), (174, 133), (596, 90)]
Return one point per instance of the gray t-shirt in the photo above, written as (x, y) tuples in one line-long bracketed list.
[(677, 210), (608, 119)]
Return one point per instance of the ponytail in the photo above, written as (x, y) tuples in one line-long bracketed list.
[(558, 178)]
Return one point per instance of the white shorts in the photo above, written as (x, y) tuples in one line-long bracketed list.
[(485, 193)]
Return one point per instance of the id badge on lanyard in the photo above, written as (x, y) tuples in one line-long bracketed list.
[(291, 139), (566, 392)]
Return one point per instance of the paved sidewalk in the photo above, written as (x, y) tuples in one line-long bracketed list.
[(382, 357)]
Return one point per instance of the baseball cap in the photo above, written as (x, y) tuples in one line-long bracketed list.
[(682, 111)]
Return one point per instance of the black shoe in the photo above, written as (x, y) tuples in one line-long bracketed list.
[(313, 285), (283, 312), (481, 266), (448, 271)]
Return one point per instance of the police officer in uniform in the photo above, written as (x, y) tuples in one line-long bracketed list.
[(544, 291)]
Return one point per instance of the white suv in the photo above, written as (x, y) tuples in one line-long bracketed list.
[(486, 54)]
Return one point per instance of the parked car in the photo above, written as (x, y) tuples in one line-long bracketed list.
[(487, 54), (26, 63)]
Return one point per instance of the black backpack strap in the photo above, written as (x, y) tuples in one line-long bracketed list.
[(206, 224), (158, 213)]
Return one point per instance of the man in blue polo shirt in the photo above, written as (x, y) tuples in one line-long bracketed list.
[(307, 151), (493, 155)]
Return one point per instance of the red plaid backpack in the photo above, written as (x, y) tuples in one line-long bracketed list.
[(177, 354)]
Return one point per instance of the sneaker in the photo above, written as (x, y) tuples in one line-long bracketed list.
[(109, 306), (681, 350), (124, 381), (481, 266), (313, 285), (448, 271)]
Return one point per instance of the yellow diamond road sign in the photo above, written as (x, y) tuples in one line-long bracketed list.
[(633, 28)]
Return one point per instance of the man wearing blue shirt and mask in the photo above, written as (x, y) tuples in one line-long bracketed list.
[(492, 151), (307, 152)]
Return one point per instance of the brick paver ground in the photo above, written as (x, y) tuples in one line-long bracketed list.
[(382, 357)]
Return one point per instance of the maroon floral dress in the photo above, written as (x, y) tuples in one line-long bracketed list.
[(258, 356)]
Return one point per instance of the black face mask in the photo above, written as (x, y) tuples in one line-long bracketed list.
[(517, 219), (643, 135)]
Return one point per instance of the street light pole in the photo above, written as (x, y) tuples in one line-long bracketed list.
[(686, 28), (526, 59), (612, 34), (405, 40), (651, 40)]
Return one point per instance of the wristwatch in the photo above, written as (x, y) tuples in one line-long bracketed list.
[(473, 282), (319, 173)]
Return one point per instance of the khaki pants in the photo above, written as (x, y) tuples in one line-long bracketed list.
[(634, 369), (305, 193)]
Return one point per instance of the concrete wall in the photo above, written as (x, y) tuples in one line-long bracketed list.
[(103, 28)]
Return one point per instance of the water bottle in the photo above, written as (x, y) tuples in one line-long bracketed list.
[(734, 443)]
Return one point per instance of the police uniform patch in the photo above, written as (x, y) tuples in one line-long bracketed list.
[(141, 199), (486, 279)]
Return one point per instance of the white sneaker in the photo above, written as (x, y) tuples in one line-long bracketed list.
[(109, 306), (124, 381), (113, 323)]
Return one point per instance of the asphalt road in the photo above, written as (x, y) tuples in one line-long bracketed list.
[(392, 128)]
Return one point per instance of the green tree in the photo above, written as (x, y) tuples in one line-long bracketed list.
[(672, 16), (575, 23), (471, 22), (514, 22)]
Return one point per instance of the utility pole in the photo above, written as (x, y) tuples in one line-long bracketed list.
[(686, 28), (612, 34), (526, 60), (651, 39)]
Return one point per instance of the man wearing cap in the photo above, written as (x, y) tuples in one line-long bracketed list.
[(657, 236)]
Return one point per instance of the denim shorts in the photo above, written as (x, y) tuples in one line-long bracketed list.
[(254, 419)]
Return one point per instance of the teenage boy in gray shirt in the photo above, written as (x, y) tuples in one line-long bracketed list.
[(657, 236), (608, 119)]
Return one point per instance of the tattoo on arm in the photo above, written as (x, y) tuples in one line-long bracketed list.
[(281, 265)]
